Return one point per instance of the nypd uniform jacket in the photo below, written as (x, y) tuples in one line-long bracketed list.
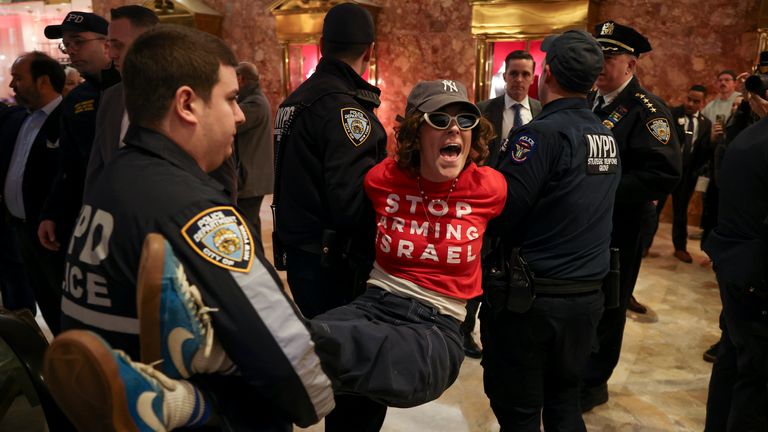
[(649, 149), (562, 171), (154, 186), (78, 125), (333, 139)]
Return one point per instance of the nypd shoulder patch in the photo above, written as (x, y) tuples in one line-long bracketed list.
[(220, 235), (522, 147), (356, 124), (659, 128)]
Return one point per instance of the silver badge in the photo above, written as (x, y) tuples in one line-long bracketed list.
[(607, 29)]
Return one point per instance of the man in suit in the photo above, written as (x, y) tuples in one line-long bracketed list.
[(127, 23), (506, 112), (253, 143), (693, 131), (29, 159), (514, 108)]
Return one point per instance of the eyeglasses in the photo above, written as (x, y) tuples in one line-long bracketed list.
[(64, 47), (441, 120)]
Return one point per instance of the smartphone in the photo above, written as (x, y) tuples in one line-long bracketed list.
[(719, 118)]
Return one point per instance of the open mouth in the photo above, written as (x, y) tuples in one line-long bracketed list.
[(450, 151)]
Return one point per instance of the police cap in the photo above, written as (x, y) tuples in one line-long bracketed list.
[(429, 96), (78, 22), (574, 58), (620, 39), (348, 23)]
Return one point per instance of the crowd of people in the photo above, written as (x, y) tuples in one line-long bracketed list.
[(131, 219)]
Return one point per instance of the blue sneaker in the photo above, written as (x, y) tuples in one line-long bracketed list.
[(102, 389), (176, 330)]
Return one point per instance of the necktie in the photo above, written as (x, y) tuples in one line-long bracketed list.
[(689, 134), (518, 120), (600, 103)]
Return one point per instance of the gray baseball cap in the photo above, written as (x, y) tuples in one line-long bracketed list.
[(429, 96)]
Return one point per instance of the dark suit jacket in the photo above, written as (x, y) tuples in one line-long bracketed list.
[(702, 143), (42, 163), (106, 140), (254, 143), (493, 110)]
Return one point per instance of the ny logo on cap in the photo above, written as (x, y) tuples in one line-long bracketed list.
[(607, 29), (449, 85), (74, 18)]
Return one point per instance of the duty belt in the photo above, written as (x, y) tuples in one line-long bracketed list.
[(565, 286)]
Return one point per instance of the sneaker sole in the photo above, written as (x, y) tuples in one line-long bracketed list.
[(84, 379), (148, 289)]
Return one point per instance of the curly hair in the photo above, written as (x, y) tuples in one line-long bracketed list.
[(408, 147)]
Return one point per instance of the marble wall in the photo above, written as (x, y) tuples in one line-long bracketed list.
[(427, 39)]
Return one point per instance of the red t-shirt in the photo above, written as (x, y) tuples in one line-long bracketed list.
[(434, 244)]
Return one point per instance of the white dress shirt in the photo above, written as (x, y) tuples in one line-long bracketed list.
[(509, 114)]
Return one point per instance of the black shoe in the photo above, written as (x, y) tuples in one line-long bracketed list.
[(710, 355), (471, 349), (591, 397), (636, 307)]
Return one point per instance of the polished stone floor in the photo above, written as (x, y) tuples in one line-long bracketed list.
[(661, 381)]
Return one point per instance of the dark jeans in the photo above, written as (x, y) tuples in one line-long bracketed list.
[(627, 226), (392, 349), (533, 361), (317, 289)]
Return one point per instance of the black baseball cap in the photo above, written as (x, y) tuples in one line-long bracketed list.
[(349, 23), (620, 39), (429, 96), (574, 58), (78, 22)]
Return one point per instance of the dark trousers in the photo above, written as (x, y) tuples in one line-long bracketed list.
[(250, 207), (627, 226), (681, 197), (45, 269), (721, 385), (14, 281), (391, 349), (317, 289), (533, 361), (742, 363), (469, 322)]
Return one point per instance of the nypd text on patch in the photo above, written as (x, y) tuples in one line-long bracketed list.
[(220, 235), (602, 154)]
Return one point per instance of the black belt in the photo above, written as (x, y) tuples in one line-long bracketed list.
[(566, 286)]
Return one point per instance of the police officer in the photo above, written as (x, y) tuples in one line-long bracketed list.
[(173, 141), (738, 247), (562, 171), (651, 167), (326, 138), (84, 37)]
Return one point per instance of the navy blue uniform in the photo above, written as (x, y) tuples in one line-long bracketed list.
[(562, 171), (78, 126), (738, 247), (174, 197), (651, 167)]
